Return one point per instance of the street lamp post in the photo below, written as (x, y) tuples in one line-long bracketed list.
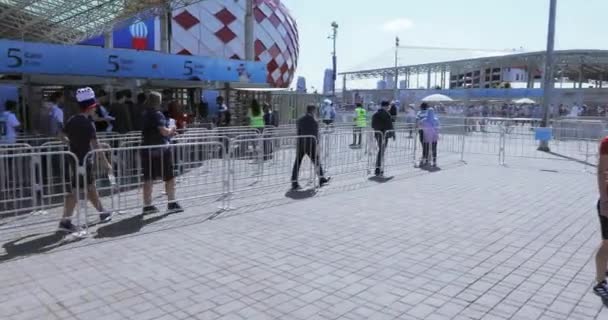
[(334, 36), (249, 34), (396, 84), (549, 81)]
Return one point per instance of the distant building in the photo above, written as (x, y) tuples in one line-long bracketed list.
[(381, 85), (490, 77), (403, 84), (390, 82), (301, 85), (328, 79)]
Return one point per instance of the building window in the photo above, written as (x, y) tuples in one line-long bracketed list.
[(517, 77)]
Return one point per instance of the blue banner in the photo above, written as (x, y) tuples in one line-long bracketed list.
[(37, 58)]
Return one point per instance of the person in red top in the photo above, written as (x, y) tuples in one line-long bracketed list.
[(601, 258), (176, 113)]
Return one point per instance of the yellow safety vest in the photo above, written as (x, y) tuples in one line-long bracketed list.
[(361, 119), (257, 121)]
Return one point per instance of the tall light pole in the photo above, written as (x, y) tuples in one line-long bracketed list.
[(334, 36), (549, 81), (396, 86), (249, 25)]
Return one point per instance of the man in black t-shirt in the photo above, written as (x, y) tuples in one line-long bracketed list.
[(156, 159), (82, 139)]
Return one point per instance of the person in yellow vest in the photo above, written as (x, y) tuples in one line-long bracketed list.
[(256, 121), (256, 116), (360, 123)]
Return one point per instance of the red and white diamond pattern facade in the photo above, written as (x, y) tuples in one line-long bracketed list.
[(216, 28)]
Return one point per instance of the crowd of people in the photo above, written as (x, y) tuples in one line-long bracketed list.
[(512, 110), (382, 124), (80, 132)]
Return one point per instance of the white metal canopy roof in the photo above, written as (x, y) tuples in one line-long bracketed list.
[(71, 21)]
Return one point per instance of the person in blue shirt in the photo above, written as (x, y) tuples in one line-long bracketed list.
[(328, 113), (157, 159), (424, 107), (429, 125)]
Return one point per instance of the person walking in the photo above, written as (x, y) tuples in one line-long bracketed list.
[(52, 116), (430, 129), (119, 110), (601, 257), (137, 111), (256, 121), (328, 113), (410, 120), (360, 123), (424, 107), (383, 130), (81, 136), (307, 145), (176, 112), (394, 110), (11, 123), (224, 114), (270, 121), (156, 159)]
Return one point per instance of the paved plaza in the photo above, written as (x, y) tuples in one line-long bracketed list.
[(471, 241)]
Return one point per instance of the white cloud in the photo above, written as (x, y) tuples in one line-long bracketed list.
[(397, 25)]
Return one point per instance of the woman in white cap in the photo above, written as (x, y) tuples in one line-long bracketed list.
[(82, 138)]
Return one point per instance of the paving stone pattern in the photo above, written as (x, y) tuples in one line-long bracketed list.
[(474, 241)]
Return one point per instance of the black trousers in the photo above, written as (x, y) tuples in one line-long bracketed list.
[(427, 148), (306, 149), (382, 144), (357, 133)]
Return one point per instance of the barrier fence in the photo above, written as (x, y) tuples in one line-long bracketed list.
[(217, 167)]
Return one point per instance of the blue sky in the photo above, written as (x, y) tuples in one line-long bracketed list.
[(368, 29)]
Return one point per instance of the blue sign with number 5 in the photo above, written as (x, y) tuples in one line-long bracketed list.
[(38, 58)]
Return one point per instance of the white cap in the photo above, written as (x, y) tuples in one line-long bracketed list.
[(85, 94)]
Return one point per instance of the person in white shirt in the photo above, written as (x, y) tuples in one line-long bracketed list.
[(56, 113), (575, 111), (11, 123), (328, 113)]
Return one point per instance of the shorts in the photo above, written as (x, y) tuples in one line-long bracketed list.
[(328, 122), (603, 222), (71, 175), (157, 164)]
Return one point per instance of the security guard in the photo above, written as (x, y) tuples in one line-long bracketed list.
[(360, 123), (256, 116)]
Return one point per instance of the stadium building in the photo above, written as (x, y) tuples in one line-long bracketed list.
[(580, 76)]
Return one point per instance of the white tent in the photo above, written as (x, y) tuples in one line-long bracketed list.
[(524, 101), (437, 98)]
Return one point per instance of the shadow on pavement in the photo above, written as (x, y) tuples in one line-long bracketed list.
[(127, 226), (381, 179), (300, 195), (17, 248), (431, 169), (571, 159)]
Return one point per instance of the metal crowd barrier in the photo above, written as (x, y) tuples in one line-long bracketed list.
[(222, 166), (30, 194), (342, 155), (201, 177)]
